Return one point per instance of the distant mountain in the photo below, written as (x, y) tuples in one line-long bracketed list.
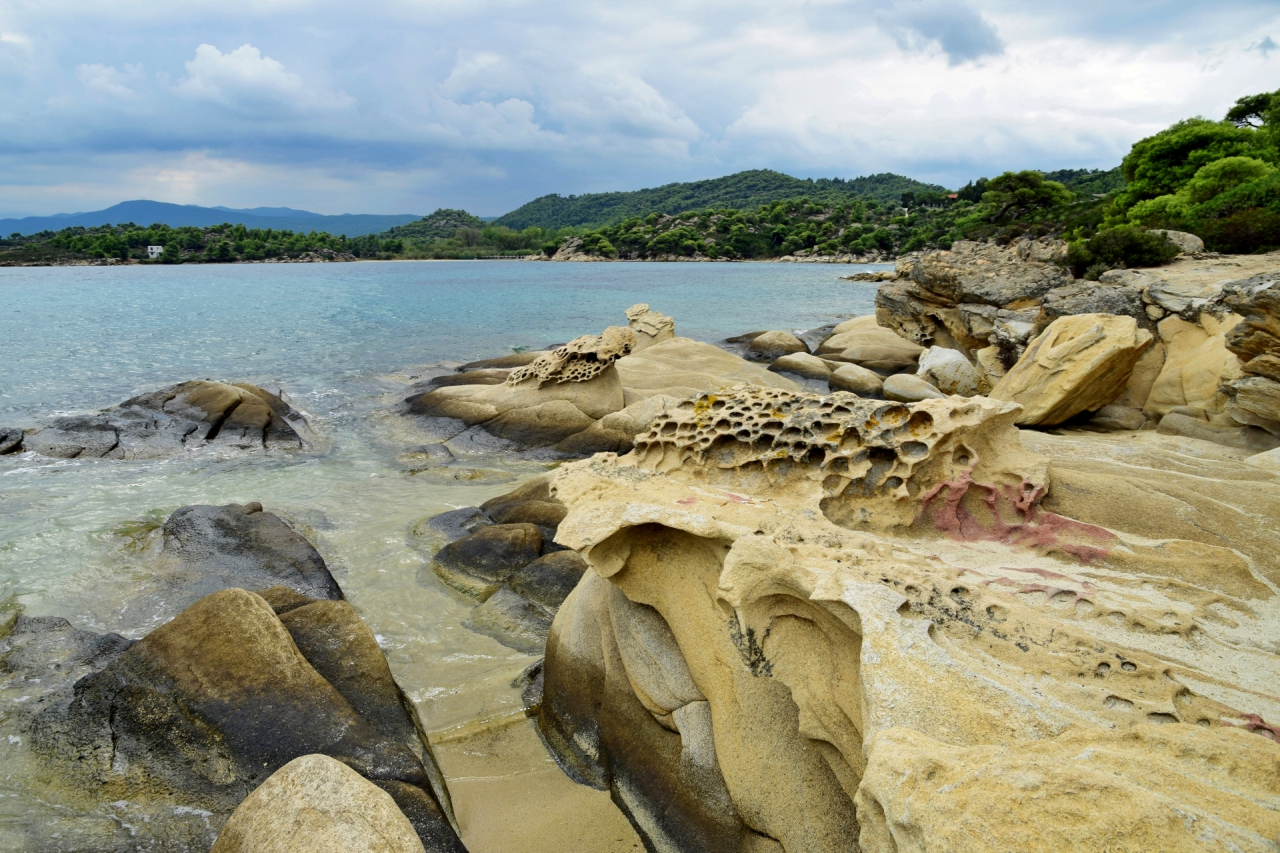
[(1089, 181), (176, 215), (742, 191), (440, 225)]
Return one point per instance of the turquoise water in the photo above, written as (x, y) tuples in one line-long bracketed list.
[(344, 341)]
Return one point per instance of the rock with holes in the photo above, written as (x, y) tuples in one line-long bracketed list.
[(808, 620), (1079, 364), (166, 422)]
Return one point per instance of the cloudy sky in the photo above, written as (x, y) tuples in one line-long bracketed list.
[(402, 106)]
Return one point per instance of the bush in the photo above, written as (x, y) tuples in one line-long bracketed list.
[(1120, 248)]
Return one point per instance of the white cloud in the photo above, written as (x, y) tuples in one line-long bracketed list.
[(246, 79), (109, 81)]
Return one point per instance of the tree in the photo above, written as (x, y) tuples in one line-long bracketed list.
[(1252, 110), (1163, 163), (1022, 192)]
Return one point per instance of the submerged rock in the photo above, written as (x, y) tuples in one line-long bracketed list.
[(810, 622), (170, 420)]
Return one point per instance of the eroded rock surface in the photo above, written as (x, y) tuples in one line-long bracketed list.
[(813, 620), (167, 421)]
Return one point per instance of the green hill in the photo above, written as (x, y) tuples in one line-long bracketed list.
[(441, 225), (743, 191)]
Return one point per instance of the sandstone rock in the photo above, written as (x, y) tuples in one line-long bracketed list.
[(870, 341), (1197, 364), (531, 503), (472, 377), (802, 364), (950, 372), (1078, 364), (1249, 438), (776, 344), (1185, 299), (681, 367), (480, 563), (1089, 297), (212, 703), (173, 419), (990, 364), (1255, 401), (1257, 301), (649, 327), (1118, 418), (315, 803), (906, 388), (989, 274), (615, 432), (857, 380), (795, 604), (1269, 460), (1266, 366), (1185, 241), (504, 362)]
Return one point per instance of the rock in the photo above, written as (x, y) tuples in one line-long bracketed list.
[(869, 342), (950, 372), (1248, 438), (212, 703), (1118, 418), (615, 432), (771, 345), (531, 503), (478, 564), (173, 419), (1185, 241), (681, 367), (10, 440), (803, 365), (504, 362), (990, 363), (1078, 364), (988, 274), (1266, 366), (471, 377), (1269, 460), (649, 327), (1255, 401), (1197, 364), (1185, 299), (1257, 301), (447, 526), (856, 380), (1087, 297), (906, 388), (548, 580), (813, 619), (315, 803)]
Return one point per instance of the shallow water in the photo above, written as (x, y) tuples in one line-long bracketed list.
[(343, 341)]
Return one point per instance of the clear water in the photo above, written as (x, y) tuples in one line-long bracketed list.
[(343, 340)]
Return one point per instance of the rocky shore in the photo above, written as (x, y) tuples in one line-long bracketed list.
[(995, 568)]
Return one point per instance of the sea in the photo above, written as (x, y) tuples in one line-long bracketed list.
[(343, 342)]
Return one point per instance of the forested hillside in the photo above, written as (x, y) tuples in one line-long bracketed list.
[(743, 191)]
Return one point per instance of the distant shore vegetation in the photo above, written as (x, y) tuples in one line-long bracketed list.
[(1219, 180)]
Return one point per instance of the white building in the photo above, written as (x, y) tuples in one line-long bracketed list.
[(154, 252)]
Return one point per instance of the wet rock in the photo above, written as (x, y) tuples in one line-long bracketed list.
[(451, 525), (771, 345), (209, 705), (168, 421), (856, 380), (480, 563), (10, 440), (531, 503), (1079, 364), (316, 804), (906, 388)]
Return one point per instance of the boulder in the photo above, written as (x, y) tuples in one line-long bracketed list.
[(1118, 418), (1257, 301), (171, 420), (1088, 297), (862, 341), (803, 365), (1255, 401), (906, 388), (771, 345), (1079, 364), (810, 622), (315, 804), (10, 440), (615, 432), (1197, 364), (856, 380), (212, 703), (950, 372), (1184, 240), (989, 274), (480, 563), (682, 367)]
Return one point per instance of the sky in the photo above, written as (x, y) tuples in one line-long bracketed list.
[(403, 106)]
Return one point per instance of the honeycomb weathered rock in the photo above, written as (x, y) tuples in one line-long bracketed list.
[(580, 360)]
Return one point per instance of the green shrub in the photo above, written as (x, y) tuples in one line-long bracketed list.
[(1119, 248)]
